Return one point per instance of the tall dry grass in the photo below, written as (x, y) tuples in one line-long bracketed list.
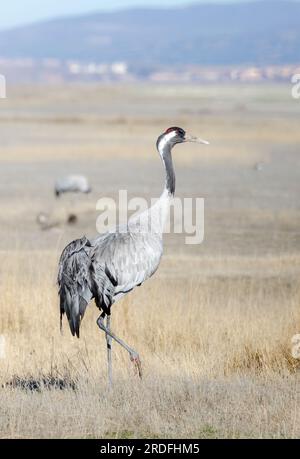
[(216, 352)]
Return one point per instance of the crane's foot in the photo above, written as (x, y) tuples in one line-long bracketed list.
[(134, 357)]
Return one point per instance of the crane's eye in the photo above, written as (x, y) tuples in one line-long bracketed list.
[(181, 132)]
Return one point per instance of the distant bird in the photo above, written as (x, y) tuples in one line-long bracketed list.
[(114, 263), (258, 166), (45, 222), (72, 219), (42, 219), (72, 184)]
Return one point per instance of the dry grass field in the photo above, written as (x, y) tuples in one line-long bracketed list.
[(214, 325)]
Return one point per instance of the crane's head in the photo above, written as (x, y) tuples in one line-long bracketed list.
[(175, 135)]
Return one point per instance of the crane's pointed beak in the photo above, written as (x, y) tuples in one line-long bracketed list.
[(191, 138)]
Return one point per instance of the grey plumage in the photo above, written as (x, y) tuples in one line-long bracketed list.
[(72, 184), (259, 166), (114, 263), (75, 283), (104, 269)]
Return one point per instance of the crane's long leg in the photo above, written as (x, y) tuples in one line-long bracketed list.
[(108, 343), (134, 357)]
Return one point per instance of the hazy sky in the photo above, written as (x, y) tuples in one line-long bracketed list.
[(16, 12)]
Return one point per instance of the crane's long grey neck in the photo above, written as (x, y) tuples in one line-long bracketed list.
[(166, 156)]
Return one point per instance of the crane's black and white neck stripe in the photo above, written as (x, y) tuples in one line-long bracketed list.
[(164, 145)]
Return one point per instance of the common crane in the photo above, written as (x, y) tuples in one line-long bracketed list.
[(72, 184), (114, 263)]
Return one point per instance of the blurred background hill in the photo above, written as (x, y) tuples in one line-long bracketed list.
[(237, 41)]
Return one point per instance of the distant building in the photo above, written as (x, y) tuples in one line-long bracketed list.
[(55, 70)]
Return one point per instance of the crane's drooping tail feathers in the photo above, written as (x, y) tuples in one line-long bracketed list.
[(73, 304), (74, 282)]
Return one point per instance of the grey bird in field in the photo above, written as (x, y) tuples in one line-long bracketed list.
[(45, 222), (113, 264), (259, 166), (72, 184)]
